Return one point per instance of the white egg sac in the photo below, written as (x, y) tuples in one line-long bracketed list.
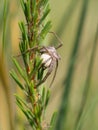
[(46, 59)]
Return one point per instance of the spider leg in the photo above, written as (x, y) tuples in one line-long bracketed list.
[(47, 50), (54, 73), (42, 65), (59, 46), (59, 40), (47, 74), (29, 50)]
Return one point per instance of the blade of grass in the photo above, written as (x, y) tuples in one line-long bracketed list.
[(15, 77), (86, 113), (61, 28), (87, 83), (4, 26), (3, 68), (61, 125)]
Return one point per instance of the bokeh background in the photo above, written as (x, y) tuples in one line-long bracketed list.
[(74, 21)]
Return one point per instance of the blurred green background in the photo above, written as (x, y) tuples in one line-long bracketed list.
[(75, 22)]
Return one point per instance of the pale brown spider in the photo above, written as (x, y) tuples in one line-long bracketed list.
[(49, 57)]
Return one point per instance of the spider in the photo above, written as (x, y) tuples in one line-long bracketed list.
[(49, 57), (50, 60)]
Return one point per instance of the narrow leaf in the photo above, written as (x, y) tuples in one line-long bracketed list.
[(15, 77), (53, 120), (46, 29), (18, 68), (47, 98), (45, 14)]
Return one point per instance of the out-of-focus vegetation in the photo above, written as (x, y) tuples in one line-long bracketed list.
[(75, 91)]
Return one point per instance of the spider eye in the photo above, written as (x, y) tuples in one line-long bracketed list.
[(46, 59)]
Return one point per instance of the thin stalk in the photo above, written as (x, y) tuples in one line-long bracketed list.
[(87, 85), (3, 67), (61, 121), (4, 26), (32, 33)]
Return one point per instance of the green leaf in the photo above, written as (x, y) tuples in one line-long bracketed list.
[(34, 13), (18, 68), (45, 13), (38, 62), (27, 112), (47, 98), (22, 108), (15, 77), (33, 7), (19, 104), (45, 30), (39, 69), (28, 10), (22, 5), (53, 120), (21, 100), (21, 72), (43, 95), (43, 3), (32, 87), (40, 74), (23, 31)]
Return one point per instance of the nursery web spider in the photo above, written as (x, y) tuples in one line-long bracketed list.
[(49, 58)]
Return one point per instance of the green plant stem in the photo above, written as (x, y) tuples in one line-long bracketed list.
[(87, 83), (33, 33), (4, 26), (61, 121)]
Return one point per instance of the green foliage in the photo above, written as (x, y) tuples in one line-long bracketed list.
[(32, 33), (78, 125), (80, 98), (15, 77)]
